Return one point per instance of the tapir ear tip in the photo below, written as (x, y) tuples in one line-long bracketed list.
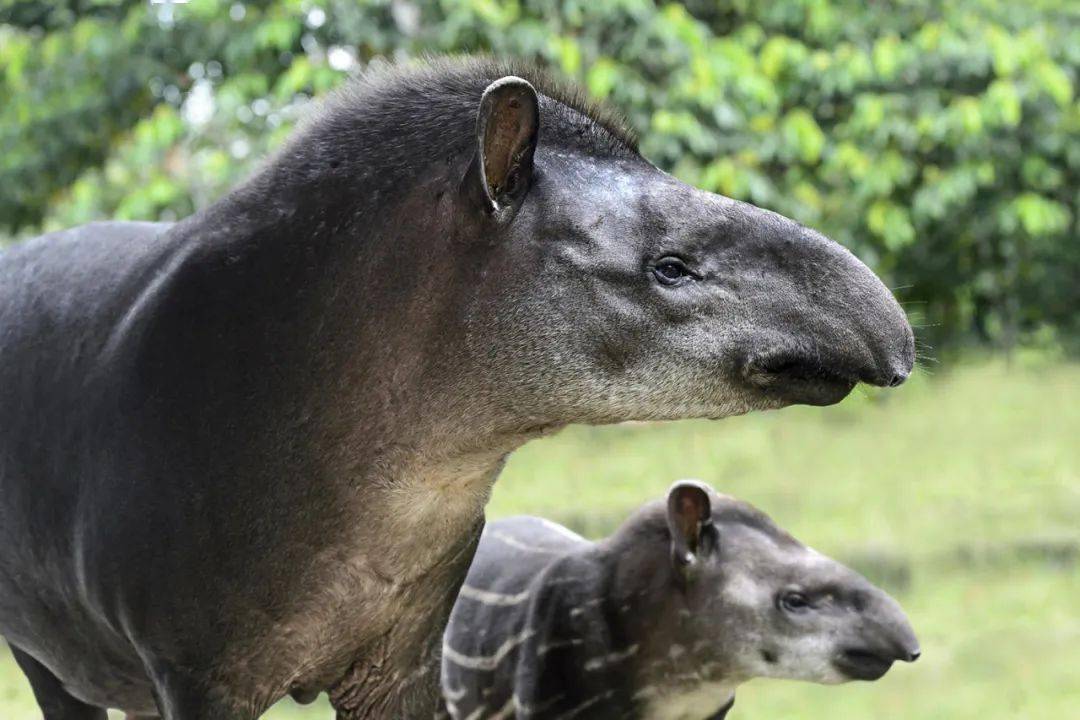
[(691, 483), (509, 82), (507, 89)]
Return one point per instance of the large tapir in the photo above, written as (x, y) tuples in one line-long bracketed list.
[(247, 454)]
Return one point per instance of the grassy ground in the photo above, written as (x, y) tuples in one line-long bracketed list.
[(960, 494)]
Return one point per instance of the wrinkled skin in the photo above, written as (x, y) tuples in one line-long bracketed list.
[(247, 454), (773, 312)]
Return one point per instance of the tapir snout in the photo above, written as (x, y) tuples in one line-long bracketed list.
[(822, 320), (883, 636)]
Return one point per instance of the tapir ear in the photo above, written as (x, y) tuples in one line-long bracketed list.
[(506, 129), (689, 517)]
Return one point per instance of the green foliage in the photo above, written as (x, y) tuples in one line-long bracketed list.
[(939, 139)]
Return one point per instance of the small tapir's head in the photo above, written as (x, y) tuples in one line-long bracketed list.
[(755, 602), (609, 290)]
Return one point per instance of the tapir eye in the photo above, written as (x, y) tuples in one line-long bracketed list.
[(671, 271), (794, 602)]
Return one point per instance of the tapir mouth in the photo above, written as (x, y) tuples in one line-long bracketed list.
[(862, 664), (801, 379)]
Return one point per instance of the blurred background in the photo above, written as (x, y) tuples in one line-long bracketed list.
[(938, 139)]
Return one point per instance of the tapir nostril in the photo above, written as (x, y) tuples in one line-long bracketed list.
[(898, 379), (913, 655)]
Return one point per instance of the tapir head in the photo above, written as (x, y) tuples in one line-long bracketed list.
[(758, 603), (609, 290)]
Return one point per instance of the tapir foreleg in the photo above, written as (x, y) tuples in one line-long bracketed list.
[(56, 703)]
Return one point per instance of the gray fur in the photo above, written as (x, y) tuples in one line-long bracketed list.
[(638, 627), (247, 454)]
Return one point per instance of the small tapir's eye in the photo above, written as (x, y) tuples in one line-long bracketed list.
[(794, 602), (671, 271)]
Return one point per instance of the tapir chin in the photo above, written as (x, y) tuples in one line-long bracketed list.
[(246, 454)]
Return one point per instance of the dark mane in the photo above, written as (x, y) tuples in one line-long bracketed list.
[(393, 120), (456, 83)]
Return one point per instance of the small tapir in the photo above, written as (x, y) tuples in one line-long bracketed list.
[(662, 620)]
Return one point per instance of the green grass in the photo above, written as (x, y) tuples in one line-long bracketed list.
[(960, 493)]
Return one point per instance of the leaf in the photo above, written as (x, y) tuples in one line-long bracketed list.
[(802, 135)]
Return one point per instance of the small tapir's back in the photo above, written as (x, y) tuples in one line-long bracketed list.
[(513, 550), (498, 608)]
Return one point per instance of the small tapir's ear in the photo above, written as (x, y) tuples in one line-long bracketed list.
[(506, 130), (689, 517)]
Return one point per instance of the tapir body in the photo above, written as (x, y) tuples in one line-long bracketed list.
[(246, 455)]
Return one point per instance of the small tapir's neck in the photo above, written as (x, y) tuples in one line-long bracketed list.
[(674, 673), (631, 638)]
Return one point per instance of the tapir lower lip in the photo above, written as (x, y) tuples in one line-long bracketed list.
[(860, 664), (797, 379)]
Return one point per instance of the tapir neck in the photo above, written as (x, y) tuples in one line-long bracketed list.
[(351, 327), (675, 674), (620, 644)]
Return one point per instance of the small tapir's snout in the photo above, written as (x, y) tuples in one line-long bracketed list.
[(884, 636)]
